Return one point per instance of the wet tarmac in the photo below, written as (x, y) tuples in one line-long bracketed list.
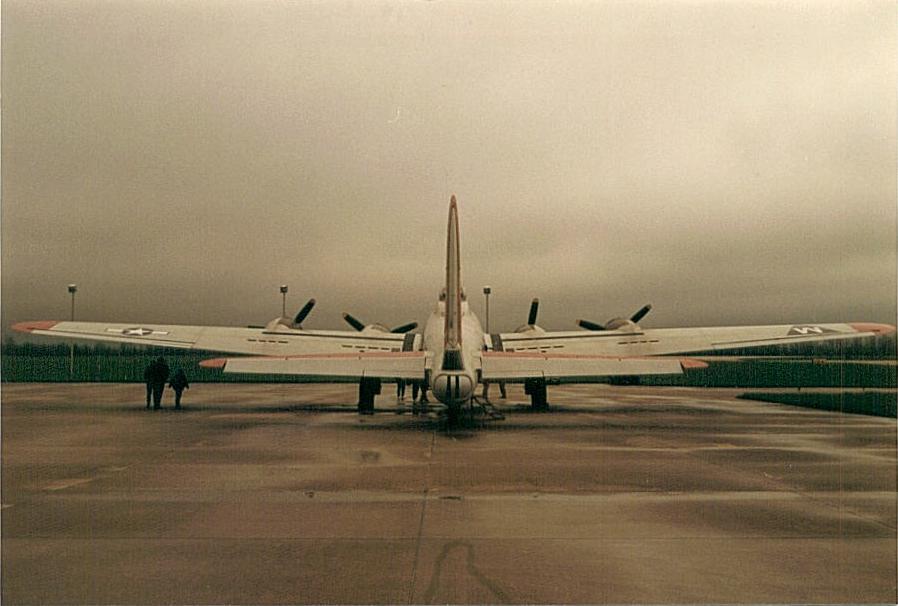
[(283, 494)]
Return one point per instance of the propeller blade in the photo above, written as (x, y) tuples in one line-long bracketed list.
[(353, 322), (304, 312), (534, 308), (639, 315), (590, 325), (405, 327)]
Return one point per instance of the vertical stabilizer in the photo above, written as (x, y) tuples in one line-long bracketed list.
[(453, 282)]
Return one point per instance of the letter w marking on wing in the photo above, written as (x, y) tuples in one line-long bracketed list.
[(805, 330)]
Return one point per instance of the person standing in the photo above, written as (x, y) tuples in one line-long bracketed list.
[(148, 374), (178, 383), (159, 379), (419, 405)]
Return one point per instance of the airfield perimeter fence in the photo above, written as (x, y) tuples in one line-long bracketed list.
[(39, 362)]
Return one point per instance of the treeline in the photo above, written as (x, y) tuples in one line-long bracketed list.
[(817, 372), (827, 364), (100, 363)]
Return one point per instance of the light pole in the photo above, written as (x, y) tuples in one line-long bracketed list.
[(73, 288), (486, 295), (486, 385), (283, 300)]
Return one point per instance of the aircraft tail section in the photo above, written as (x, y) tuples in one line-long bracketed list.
[(452, 329)]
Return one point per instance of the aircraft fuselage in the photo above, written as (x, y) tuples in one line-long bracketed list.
[(453, 376)]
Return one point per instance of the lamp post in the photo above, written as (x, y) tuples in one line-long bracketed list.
[(486, 295), (283, 300), (73, 288)]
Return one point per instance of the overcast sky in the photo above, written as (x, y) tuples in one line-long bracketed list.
[(728, 162)]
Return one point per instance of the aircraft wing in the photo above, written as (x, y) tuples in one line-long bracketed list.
[(510, 366), (274, 340), (671, 341), (381, 365)]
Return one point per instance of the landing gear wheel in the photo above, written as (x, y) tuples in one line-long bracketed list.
[(368, 389), (536, 389)]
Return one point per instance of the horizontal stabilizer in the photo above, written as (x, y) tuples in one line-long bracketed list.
[(511, 365), (381, 365)]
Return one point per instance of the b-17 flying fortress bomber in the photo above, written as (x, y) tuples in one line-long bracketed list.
[(453, 354)]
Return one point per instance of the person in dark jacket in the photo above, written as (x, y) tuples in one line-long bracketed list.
[(148, 373), (178, 383), (160, 376)]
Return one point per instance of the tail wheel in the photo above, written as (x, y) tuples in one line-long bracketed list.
[(454, 414)]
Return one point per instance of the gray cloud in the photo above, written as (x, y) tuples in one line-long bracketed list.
[(731, 163)]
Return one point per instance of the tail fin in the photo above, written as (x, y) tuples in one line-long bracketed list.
[(453, 282)]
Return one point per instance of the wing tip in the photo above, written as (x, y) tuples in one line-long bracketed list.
[(875, 328), (214, 363), (34, 325), (692, 364)]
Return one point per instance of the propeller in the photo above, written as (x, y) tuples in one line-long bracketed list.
[(534, 309), (280, 324), (405, 327), (353, 322), (639, 315), (616, 322), (531, 326), (590, 325), (306, 309), (359, 326)]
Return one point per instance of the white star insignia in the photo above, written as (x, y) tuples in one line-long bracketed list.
[(140, 332), (137, 331)]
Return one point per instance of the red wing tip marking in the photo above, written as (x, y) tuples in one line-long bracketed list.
[(877, 329), (214, 363), (32, 326), (692, 363)]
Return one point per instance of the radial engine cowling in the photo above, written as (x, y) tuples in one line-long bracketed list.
[(622, 324)]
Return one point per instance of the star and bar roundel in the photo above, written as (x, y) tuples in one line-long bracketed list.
[(804, 330), (137, 331)]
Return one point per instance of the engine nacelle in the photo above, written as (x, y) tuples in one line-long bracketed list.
[(280, 325), (621, 324), (377, 328)]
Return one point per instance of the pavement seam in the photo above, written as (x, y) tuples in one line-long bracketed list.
[(411, 589)]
